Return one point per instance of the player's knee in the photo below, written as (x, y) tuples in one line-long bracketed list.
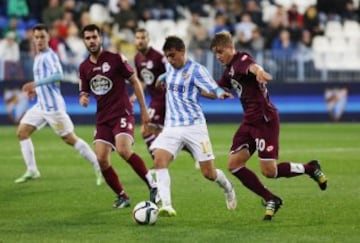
[(124, 153), (22, 134), (268, 173)]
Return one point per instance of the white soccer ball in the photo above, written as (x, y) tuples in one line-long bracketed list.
[(145, 213)]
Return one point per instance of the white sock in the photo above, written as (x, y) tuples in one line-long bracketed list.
[(85, 150), (222, 180), (163, 184), (297, 168), (150, 176), (28, 153)]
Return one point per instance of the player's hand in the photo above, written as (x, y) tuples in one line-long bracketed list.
[(29, 89), (84, 100), (133, 99), (226, 95), (145, 118), (263, 77)]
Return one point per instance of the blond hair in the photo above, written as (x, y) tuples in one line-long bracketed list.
[(222, 39)]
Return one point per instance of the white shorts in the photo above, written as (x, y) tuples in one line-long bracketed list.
[(195, 137), (59, 121)]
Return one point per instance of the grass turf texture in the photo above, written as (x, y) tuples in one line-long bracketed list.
[(65, 205)]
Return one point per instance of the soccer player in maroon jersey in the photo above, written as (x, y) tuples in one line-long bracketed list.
[(103, 74), (150, 64), (260, 127)]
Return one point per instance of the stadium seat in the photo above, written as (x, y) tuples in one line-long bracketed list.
[(320, 44), (333, 29), (351, 29)]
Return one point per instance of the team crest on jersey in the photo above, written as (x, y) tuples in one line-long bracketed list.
[(231, 72), (186, 75), (100, 85), (105, 67), (147, 76), (149, 64)]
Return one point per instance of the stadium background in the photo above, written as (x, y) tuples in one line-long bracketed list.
[(312, 48)]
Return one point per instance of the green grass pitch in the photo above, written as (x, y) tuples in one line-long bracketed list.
[(65, 205)]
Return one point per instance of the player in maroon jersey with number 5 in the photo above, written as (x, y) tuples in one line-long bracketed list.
[(260, 127), (103, 74)]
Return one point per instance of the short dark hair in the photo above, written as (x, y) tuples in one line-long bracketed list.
[(90, 27), (40, 27), (173, 41), (143, 30)]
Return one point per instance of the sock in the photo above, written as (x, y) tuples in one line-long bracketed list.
[(138, 165), (252, 182), (113, 181), (163, 184), (288, 169), (28, 153), (223, 181), (150, 177), (84, 149)]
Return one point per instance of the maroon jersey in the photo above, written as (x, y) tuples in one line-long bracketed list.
[(253, 95), (106, 81), (149, 67)]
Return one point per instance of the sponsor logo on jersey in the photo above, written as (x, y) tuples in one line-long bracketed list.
[(100, 85)]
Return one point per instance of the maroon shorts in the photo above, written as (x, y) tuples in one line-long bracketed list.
[(262, 136), (108, 131), (156, 112)]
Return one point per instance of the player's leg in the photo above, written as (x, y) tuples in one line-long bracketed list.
[(62, 125), (162, 159), (165, 148), (103, 150), (31, 121), (123, 131), (268, 147), (211, 173), (197, 138)]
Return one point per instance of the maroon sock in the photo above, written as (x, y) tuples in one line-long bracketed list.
[(113, 181), (138, 165), (251, 181), (284, 170)]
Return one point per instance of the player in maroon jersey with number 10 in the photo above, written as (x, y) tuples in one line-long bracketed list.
[(260, 127), (103, 74)]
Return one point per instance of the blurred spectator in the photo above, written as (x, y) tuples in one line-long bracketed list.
[(221, 24), (312, 22), (126, 21), (277, 22), (253, 9), (282, 46), (304, 47), (84, 19), (52, 12), (36, 8), (200, 42), (350, 11), (295, 23), (10, 55), (27, 53), (257, 41), (245, 28), (9, 48), (106, 30), (17, 8)]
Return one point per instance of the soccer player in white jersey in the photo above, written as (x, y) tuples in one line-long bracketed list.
[(185, 122), (49, 109)]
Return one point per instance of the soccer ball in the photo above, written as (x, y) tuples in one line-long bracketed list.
[(145, 213)]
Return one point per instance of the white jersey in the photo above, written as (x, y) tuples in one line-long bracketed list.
[(49, 97), (183, 87)]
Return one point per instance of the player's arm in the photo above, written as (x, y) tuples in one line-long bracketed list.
[(139, 93), (261, 75), (29, 87), (160, 81), (217, 93), (84, 89)]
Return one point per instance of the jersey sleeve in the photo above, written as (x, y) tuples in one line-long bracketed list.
[(125, 68), (243, 63), (83, 83), (204, 80), (53, 63)]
